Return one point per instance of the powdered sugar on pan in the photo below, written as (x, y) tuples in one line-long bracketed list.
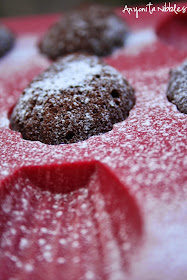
[(24, 55), (136, 41), (165, 243), (153, 120), (66, 230)]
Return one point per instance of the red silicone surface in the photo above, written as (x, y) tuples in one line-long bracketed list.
[(113, 206)]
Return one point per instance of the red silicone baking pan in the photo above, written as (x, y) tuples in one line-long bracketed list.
[(111, 207)]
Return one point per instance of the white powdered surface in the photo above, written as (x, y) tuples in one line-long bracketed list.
[(80, 71)]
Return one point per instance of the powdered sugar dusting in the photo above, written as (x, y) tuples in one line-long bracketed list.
[(97, 31), (60, 225), (74, 74), (24, 55), (136, 41), (56, 103), (170, 241), (177, 88)]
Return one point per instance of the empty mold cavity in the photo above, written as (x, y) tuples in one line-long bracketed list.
[(72, 220), (173, 30)]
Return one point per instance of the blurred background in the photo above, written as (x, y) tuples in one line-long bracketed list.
[(9, 8)]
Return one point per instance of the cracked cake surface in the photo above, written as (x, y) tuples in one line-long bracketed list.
[(77, 97), (177, 87)]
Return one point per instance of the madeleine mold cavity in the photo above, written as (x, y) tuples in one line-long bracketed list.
[(173, 30), (51, 220)]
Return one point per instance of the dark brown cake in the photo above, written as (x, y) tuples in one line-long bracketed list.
[(95, 30), (6, 40), (77, 97), (177, 87)]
